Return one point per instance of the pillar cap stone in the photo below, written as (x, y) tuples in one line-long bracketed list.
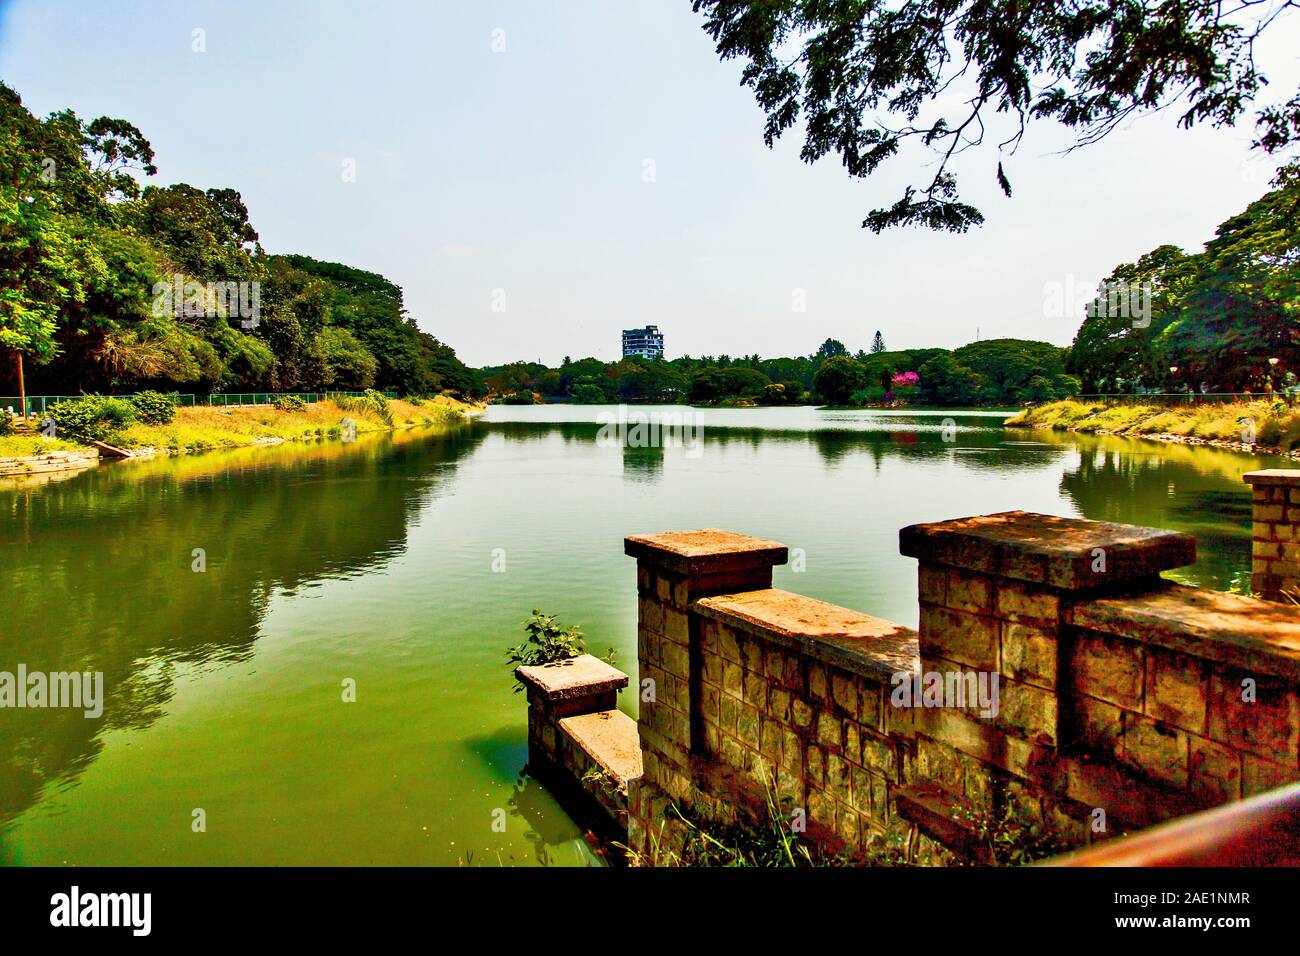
[(580, 676), (1049, 550), (704, 551), (1285, 477)]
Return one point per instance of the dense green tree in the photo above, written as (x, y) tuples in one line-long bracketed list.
[(371, 307), (1007, 365), (1242, 307), (351, 366), (838, 379), (1115, 350), (946, 382), (878, 343), (717, 384), (831, 348), (1216, 316)]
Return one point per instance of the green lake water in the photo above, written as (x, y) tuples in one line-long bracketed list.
[(406, 562)]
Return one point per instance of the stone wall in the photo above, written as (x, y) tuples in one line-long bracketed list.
[(1122, 699), (579, 743), (1275, 548)]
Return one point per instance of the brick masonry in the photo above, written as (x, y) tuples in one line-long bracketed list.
[(1119, 691), (1275, 537)]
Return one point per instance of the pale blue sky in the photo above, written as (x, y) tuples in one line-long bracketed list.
[(522, 171)]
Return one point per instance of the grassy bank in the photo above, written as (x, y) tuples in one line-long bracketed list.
[(201, 428), (1263, 425)]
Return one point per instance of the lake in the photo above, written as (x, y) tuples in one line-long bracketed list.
[(402, 565)]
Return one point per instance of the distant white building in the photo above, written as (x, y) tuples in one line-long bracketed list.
[(647, 342)]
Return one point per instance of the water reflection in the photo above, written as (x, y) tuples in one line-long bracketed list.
[(643, 464), (99, 572)]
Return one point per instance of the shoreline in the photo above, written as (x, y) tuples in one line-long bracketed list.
[(1259, 417), (64, 459)]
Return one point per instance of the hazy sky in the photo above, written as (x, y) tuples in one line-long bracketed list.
[(524, 170)]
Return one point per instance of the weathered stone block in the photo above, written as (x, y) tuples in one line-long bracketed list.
[(861, 790), (1100, 725), (1028, 711), (967, 591), (1268, 725), (727, 707), (839, 780), (1176, 686), (878, 754), (773, 664), (791, 751), (844, 692), (729, 644), (1215, 772), (828, 730), (871, 699), (711, 666), (676, 660), (1048, 550), (814, 764), (733, 680), (1018, 601), (818, 683), (1158, 750), (1108, 668), (852, 742), (940, 763), (747, 721), (957, 636), (650, 614), (932, 584), (755, 690), (676, 626), (1029, 654), (801, 712)]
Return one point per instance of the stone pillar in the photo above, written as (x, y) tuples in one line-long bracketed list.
[(995, 591), (1275, 544), (581, 685), (675, 568)]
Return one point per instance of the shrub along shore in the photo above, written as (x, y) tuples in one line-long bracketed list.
[(1267, 425), (202, 428)]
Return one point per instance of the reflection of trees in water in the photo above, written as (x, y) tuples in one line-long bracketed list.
[(98, 573), (643, 464), (907, 439), (1192, 489)]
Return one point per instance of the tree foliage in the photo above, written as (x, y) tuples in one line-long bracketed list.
[(867, 77), (89, 262), (1217, 316)]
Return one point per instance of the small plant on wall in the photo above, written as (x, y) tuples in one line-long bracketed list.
[(547, 642), (1012, 837)]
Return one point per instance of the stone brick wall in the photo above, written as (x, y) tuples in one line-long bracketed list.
[(1275, 545), (579, 744), (1123, 699), (1192, 691), (783, 708)]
